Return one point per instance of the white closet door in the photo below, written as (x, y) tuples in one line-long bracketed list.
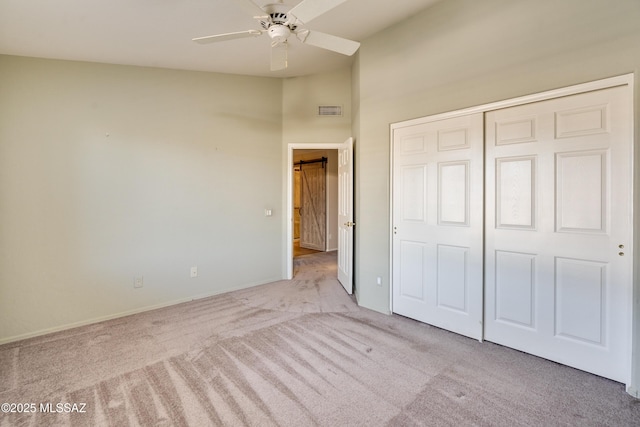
[(558, 230), (437, 223)]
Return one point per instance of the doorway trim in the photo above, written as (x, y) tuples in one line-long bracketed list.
[(288, 263)]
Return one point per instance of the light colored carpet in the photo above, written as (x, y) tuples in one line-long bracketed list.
[(294, 353)]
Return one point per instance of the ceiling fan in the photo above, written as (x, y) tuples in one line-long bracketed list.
[(280, 21)]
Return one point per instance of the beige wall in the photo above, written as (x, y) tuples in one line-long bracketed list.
[(110, 172), (301, 97), (462, 53)]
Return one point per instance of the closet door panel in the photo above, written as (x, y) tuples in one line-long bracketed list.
[(558, 230), (437, 221)]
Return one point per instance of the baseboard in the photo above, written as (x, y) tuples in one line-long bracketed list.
[(94, 320), (633, 391)]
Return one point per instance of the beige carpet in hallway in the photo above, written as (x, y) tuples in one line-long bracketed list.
[(294, 353)]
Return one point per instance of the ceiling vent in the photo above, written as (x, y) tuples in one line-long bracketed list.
[(330, 110)]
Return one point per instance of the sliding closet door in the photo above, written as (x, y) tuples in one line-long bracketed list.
[(437, 223), (558, 230)]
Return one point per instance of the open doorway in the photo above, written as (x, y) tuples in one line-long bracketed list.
[(315, 201), (344, 206)]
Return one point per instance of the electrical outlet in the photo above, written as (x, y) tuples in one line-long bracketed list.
[(194, 271), (138, 282), (379, 281)]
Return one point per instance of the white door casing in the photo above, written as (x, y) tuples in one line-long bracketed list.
[(437, 221), (558, 230), (345, 215)]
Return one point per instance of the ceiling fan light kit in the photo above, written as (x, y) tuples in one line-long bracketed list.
[(279, 33), (279, 23)]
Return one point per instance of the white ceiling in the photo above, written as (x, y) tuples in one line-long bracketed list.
[(158, 33)]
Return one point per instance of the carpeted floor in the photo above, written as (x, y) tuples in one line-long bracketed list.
[(294, 353)]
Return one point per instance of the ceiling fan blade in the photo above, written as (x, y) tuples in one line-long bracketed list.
[(329, 42), (308, 10), (279, 57), (227, 36)]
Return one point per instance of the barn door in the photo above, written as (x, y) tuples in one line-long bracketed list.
[(313, 205), (558, 230), (438, 222), (296, 202)]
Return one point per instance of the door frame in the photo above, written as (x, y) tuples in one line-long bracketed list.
[(288, 263), (633, 383)]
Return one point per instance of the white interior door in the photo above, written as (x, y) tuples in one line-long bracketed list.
[(558, 230), (313, 206), (345, 215), (438, 222)]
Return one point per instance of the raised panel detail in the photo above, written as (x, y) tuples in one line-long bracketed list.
[(516, 192), (453, 193), (452, 277), (516, 131), (580, 289), (581, 192), (582, 121), (452, 139), (412, 259), (414, 187), (345, 196), (515, 288), (413, 145), (343, 255)]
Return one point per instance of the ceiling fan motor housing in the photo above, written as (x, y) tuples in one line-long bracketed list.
[(278, 27), (277, 12)]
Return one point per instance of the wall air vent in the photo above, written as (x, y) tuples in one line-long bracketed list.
[(330, 110)]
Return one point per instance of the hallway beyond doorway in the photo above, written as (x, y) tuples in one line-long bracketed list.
[(298, 251)]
